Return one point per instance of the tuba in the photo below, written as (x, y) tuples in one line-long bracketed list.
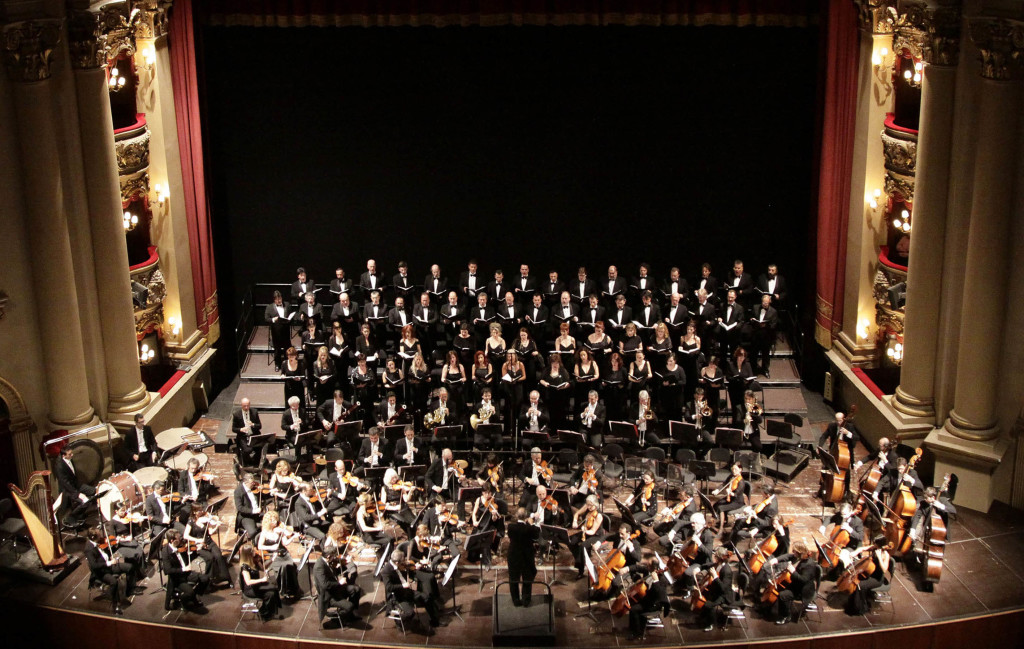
[(486, 412)]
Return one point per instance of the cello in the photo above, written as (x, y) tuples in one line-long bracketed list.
[(611, 563), (765, 548), (860, 569)]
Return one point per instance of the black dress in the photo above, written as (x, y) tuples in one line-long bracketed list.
[(266, 591), (294, 384), (688, 356), (670, 397), (340, 353), (556, 399), (657, 354), (613, 391), (600, 351), (465, 348), (629, 346), (324, 380)]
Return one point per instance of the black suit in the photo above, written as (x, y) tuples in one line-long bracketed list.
[(439, 294), (676, 322), (710, 286), (764, 334), (316, 316), (331, 593), (744, 288), (280, 331), (245, 452), (157, 523), (364, 459), (595, 431), (299, 293), (406, 598), (307, 517), (435, 478), (131, 448), (364, 283), (681, 287), (509, 323), (72, 489), (186, 584), (108, 574), (779, 295), (339, 286), (395, 319), (590, 316), (552, 291), (647, 319), (558, 315), (404, 286), (732, 316), (616, 326), (247, 513), (496, 291), (610, 289), (521, 566), (524, 295), (420, 455), (542, 420), (466, 292), (581, 291)]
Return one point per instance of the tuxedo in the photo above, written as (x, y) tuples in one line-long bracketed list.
[(681, 287), (496, 290), (299, 289), (132, 446), (438, 291), (594, 432), (611, 288), (559, 316), (581, 291), (552, 290), (677, 321), (339, 286), (280, 332), (288, 419), (590, 316), (402, 448), (732, 316), (508, 321), (238, 423), (424, 317), (348, 319), (464, 285), (395, 318), (155, 511), (542, 420), (524, 290), (779, 289), (314, 312), (366, 448), (325, 411), (709, 284), (743, 285), (641, 284), (380, 411), (376, 285), (403, 285), (248, 511), (617, 319), (375, 313), (647, 318)]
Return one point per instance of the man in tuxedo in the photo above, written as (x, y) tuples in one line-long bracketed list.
[(646, 316), (159, 513), (293, 421), (741, 282), (375, 314), (613, 287), (525, 286), (310, 310), (533, 416), (496, 289), (481, 316), (307, 516), (470, 282), (676, 318), (372, 453), (301, 286), (566, 311), (278, 316), (336, 588), (107, 567), (764, 322), (74, 495), (510, 316), (402, 282), (340, 284), (333, 411), (552, 290), (386, 409), (245, 424), (436, 285), (182, 581), (139, 446), (398, 317), (408, 452), (247, 505), (371, 280), (592, 420), (347, 316), (774, 285), (536, 318), (440, 479), (674, 284), (425, 318), (619, 317), (730, 321), (590, 315), (522, 549), (642, 282), (707, 317), (451, 316), (582, 288), (398, 590), (841, 430), (705, 281)]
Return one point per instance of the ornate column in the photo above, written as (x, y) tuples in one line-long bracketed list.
[(87, 46), (28, 49), (915, 395)]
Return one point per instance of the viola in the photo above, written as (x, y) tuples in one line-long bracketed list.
[(645, 500), (494, 476), (174, 497), (590, 479), (550, 504)]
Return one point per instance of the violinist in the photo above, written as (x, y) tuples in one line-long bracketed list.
[(443, 476), (398, 590), (589, 520), (443, 523), (535, 473), (407, 451), (369, 522), (735, 492), (427, 551), (160, 509), (335, 579), (372, 453), (272, 542), (342, 486), (396, 496), (804, 578), (674, 520), (107, 566), (522, 567), (644, 500), (309, 514), (339, 535), (754, 518), (247, 505), (487, 516), (882, 565), (183, 583), (492, 473), (717, 588), (543, 509), (193, 484), (198, 531), (650, 599), (750, 414), (283, 481), (586, 480), (255, 584), (123, 522)]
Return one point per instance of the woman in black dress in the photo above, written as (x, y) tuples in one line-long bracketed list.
[(364, 389), (587, 375), (483, 374), (712, 378), (630, 344), (513, 375), (670, 390), (464, 344), (688, 355), (557, 387), (256, 585), (394, 379), (860, 600), (340, 353), (613, 388), (659, 349), (418, 378), (312, 341), (453, 377), (526, 349), (323, 375), (366, 347), (494, 346), (639, 374), (565, 346), (600, 345), (408, 347), (740, 377), (294, 374)]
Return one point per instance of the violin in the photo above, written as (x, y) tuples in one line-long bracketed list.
[(494, 476), (449, 518), (544, 471), (731, 487), (460, 473), (550, 504), (590, 479), (671, 513), (352, 481), (404, 486), (645, 499), (174, 498)]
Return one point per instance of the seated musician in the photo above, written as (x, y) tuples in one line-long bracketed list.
[(673, 521), (308, 514), (245, 423), (293, 421), (193, 484), (126, 525), (387, 412), (139, 448), (702, 415), (399, 592), (654, 601), (247, 505), (589, 520), (370, 523), (533, 417), (396, 495), (372, 453), (586, 480), (884, 565), (443, 409), (698, 549), (910, 478), (717, 587), (427, 551), (183, 583), (342, 486), (106, 565), (75, 496), (543, 509), (160, 510), (255, 584), (487, 515), (804, 578), (283, 481), (735, 493), (272, 542), (780, 530), (712, 378), (335, 578), (332, 412), (442, 523), (642, 414), (624, 541), (849, 522), (751, 415), (486, 411), (885, 460), (492, 473), (755, 518), (408, 452), (200, 530), (535, 472), (443, 476), (592, 420), (643, 502)]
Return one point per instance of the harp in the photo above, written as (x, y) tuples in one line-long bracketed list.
[(36, 505)]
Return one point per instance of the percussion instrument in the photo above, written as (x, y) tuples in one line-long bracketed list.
[(147, 475), (180, 461), (120, 487), (174, 437)]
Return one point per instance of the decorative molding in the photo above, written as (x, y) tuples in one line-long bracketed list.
[(132, 153), (910, 29), (942, 44), (877, 16), (900, 151), (152, 18), (117, 30), (86, 45), (897, 184), (1000, 44), (28, 49), (133, 186)]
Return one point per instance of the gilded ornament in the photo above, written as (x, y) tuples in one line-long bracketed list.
[(1000, 44), (28, 49)]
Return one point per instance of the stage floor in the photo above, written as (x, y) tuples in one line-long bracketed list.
[(983, 574)]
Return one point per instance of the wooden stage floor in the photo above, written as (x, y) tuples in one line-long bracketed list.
[(983, 575)]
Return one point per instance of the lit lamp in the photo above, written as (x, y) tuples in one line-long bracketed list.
[(130, 221), (902, 222), (162, 196), (862, 328), (174, 328), (148, 57), (882, 67), (115, 81), (894, 350), (146, 355)]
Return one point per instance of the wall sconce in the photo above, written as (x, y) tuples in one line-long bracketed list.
[(913, 77), (146, 355), (173, 328), (115, 81), (882, 67), (862, 328), (902, 222), (160, 202), (894, 350), (877, 201), (130, 221), (148, 58)]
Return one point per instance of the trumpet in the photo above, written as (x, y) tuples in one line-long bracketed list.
[(486, 412)]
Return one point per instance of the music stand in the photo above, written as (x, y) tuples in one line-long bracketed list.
[(468, 494), (349, 431), (412, 472), (702, 470), (375, 474), (302, 439), (623, 430), (563, 499), (154, 554), (306, 563), (591, 580), (488, 431), (554, 535), (730, 438), (480, 542), (626, 514), (447, 435), (394, 432), (572, 438), (706, 502), (823, 554), (384, 556), (536, 438), (873, 508), (685, 433), (781, 431), (448, 575)]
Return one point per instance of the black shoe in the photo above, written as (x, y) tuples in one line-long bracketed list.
[(526, 603), (767, 374), (782, 620), (118, 610)]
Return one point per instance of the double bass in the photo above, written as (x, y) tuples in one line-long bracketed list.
[(834, 484), (901, 508), (934, 538)]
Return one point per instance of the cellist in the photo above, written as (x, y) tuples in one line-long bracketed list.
[(717, 589), (860, 600), (653, 600), (844, 523), (698, 550), (886, 461), (804, 579)]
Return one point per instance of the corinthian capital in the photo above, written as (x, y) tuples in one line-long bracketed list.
[(27, 48), (152, 22), (877, 16), (86, 44), (942, 42), (1000, 44)]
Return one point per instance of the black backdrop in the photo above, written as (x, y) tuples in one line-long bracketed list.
[(554, 146)]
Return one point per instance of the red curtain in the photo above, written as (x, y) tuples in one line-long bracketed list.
[(838, 127), (181, 41), (444, 13)]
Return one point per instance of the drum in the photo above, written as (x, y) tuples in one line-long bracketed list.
[(180, 461), (120, 488), (146, 476), (173, 437), (88, 460)]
